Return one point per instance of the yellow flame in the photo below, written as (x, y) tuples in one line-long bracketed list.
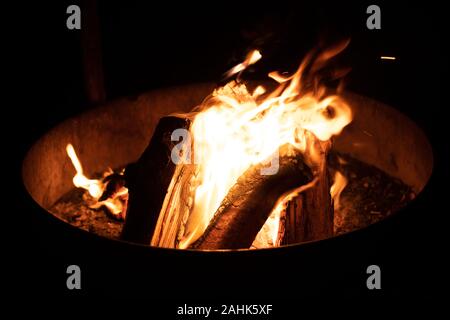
[(251, 58), (96, 187), (232, 131), (93, 186)]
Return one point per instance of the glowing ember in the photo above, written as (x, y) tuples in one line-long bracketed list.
[(233, 130), (116, 202)]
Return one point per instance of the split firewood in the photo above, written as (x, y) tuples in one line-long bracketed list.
[(148, 181), (250, 201), (310, 215), (176, 208)]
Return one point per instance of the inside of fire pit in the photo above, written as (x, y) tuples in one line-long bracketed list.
[(383, 156), (369, 196)]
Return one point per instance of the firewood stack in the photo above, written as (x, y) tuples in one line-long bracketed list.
[(154, 181)]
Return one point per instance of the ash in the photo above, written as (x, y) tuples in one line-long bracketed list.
[(370, 195)]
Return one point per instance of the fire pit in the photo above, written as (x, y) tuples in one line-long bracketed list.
[(381, 152)]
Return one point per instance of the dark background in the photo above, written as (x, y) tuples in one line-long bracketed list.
[(147, 45)]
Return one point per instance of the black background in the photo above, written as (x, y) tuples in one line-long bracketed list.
[(147, 45)]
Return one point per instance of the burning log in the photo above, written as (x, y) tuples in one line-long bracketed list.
[(310, 215), (176, 208), (235, 130), (148, 181), (161, 197), (250, 201)]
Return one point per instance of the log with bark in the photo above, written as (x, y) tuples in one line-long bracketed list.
[(250, 201), (148, 181), (161, 197), (310, 215)]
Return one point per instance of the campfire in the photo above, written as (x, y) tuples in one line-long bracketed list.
[(221, 192), (253, 165)]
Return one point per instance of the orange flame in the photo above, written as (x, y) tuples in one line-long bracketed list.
[(96, 187), (234, 130), (93, 186), (251, 58), (339, 184)]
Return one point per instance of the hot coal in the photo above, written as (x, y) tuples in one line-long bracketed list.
[(370, 195), (73, 209)]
